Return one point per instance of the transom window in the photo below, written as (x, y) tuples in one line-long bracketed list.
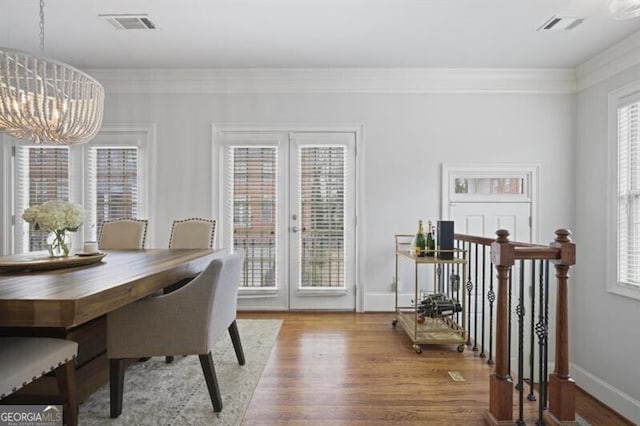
[(486, 185)]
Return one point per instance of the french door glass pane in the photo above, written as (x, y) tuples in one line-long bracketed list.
[(321, 183), (254, 195)]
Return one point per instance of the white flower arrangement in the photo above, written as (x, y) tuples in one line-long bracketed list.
[(58, 217), (55, 215)]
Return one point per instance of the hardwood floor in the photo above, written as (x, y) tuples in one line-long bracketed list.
[(356, 369)]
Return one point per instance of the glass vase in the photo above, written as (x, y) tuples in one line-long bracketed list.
[(59, 243)]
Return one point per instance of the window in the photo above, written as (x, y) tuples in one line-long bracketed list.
[(488, 182), (44, 176), (253, 191), (322, 183), (485, 185), (113, 185), (627, 125), (623, 192), (107, 176)]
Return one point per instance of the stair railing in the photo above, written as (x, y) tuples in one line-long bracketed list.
[(490, 321)]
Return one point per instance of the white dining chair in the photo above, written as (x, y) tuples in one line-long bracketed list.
[(192, 233), (122, 234)]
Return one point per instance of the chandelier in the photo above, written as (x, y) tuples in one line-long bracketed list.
[(624, 9), (47, 101)]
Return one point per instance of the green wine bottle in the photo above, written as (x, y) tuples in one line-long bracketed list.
[(419, 244), (431, 242)]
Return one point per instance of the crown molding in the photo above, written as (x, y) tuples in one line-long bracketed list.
[(337, 80), (613, 60)]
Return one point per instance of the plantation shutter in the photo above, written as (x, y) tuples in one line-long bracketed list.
[(629, 190), (113, 185), (321, 186), (43, 175), (252, 197)]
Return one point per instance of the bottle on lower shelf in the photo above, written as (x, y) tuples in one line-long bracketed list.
[(438, 305)]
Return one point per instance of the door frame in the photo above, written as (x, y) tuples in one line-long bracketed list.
[(217, 197), (529, 172)]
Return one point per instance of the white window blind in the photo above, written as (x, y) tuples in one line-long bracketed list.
[(113, 185), (43, 175), (628, 130), (321, 182), (252, 196)]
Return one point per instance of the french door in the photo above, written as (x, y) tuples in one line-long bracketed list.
[(289, 202)]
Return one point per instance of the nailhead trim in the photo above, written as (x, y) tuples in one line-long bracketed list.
[(34, 378)]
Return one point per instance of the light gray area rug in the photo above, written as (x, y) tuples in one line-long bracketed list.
[(157, 393)]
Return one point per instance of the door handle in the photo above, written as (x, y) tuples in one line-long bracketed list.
[(294, 229)]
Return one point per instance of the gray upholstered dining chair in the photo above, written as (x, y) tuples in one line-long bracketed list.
[(188, 321), (25, 359), (122, 234), (192, 233)]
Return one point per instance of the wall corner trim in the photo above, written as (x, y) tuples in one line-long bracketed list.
[(613, 60)]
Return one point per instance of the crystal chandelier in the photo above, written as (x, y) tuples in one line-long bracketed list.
[(46, 101), (624, 9)]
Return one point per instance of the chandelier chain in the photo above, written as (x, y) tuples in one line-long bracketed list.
[(42, 26)]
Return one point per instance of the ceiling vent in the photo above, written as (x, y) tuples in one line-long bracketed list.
[(561, 23), (130, 22)]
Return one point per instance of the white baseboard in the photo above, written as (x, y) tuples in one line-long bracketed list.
[(619, 401), (379, 302), (384, 301)]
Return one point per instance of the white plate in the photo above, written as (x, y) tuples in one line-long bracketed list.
[(81, 253)]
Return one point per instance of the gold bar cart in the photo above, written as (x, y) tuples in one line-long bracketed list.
[(425, 330)]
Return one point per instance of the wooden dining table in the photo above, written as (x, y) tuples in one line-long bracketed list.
[(72, 302)]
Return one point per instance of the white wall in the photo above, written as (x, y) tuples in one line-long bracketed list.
[(605, 328), (406, 139)]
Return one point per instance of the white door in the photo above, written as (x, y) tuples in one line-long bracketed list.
[(289, 202), (322, 221), (484, 219)]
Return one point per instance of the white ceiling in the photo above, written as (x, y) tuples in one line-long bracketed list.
[(316, 33)]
